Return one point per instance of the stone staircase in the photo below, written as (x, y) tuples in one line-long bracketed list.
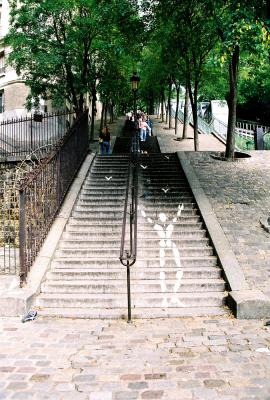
[(175, 276)]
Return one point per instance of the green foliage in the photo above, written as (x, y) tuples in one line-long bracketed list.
[(61, 47)]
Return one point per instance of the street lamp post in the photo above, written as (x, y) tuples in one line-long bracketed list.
[(135, 80)]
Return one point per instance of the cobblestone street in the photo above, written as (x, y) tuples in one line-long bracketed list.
[(185, 359), (239, 194), (168, 359)]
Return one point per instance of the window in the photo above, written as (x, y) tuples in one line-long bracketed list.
[(2, 63), (1, 101)]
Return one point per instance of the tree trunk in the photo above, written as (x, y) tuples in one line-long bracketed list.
[(233, 70), (106, 113), (177, 108), (185, 125), (162, 105), (93, 116), (194, 104), (170, 105), (111, 114), (151, 105), (102, 117)]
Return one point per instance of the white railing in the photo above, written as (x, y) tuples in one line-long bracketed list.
[(251, 126), (244, 129)]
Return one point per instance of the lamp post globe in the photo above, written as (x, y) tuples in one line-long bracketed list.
[(135, 80)]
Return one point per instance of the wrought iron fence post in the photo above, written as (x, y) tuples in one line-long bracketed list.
[(22, 238), (31, 132), (128, 292), (58, 174)]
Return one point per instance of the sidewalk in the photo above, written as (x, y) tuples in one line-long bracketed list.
[(176, 359), (168, 144)]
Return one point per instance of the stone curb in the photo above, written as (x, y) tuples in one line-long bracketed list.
[(16, 302), (243, 301)]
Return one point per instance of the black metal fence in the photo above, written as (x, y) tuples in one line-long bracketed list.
[(43, 190), (9, 220), (33, 203), (20, 137)]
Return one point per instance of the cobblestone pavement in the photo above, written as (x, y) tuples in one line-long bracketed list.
[(239, 193), (176, 359)]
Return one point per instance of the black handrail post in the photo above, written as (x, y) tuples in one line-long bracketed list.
[(128, 292)]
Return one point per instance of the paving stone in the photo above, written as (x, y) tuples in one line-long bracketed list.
[(152, 394), (22, 395), (126, 396), (138, 385), (84, 378), (130, 377), (155, 376), (214, 383), (100, 396)]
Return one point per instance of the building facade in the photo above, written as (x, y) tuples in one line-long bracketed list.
[(13, 91)]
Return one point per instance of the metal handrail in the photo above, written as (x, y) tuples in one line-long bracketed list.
[(129, 258)]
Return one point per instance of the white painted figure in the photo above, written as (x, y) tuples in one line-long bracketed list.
[(164, 230)]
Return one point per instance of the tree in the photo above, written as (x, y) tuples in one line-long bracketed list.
[(240, 27), (190, 36), (59, 46)]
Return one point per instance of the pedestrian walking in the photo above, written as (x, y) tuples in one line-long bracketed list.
[(105, 141)]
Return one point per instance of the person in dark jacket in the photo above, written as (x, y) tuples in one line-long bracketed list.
[(105, 141)]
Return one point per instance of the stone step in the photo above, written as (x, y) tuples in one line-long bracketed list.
[(82, 224), (162, 171), (116, 164), (77, 226), (100, 197), (172, 187), (153, 300), (93, 218), (170, 213), (97, 243), (80, 235), (105, 185), (100, 176), (137, 286), (84, 236), (99, 208), (141, 253), (109, 185), (103, 191), (113, 178), (137, 313), (96, 203), (161, 196), (86, 211), (150, 263), (183, 219), (96, 219), (136, 273), (77, 213)]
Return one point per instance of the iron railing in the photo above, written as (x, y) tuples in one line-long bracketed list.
[(9, 219), (43, 190), (128, 256), (251, 126), (214, 125), (20, 136)]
